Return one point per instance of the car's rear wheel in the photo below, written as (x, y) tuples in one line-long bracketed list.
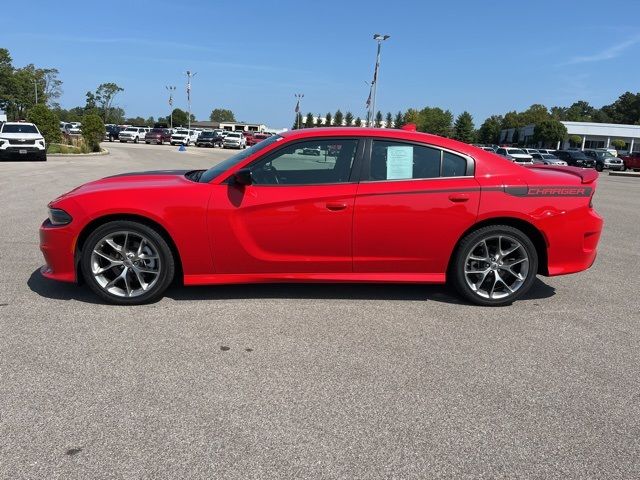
[(494, 265), (127, 263), (135, 140)]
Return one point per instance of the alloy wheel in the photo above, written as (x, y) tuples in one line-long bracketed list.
[(126, 264), (496, 267)]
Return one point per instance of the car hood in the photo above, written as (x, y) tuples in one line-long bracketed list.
[(130, 181)]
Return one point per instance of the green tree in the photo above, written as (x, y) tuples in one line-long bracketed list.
[(398, 122), (348, 119), (338, 118), (298, 122), (319, 120), (464, 130), (618, 144), (413, 116), (388, 120), (327, 120), (46, 121), (549, 132), (92, 131), (515, 138), (575, 140), (512, 120), (104, 97), (222, 115), (580, 111), (378, 119), (489, 131), (180, 117), (435, 120), (308, 122), (358, 122), (625, 110)]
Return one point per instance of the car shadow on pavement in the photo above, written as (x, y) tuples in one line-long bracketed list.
[(328, 291)]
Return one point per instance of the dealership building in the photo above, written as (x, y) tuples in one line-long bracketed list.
[(593, 135)]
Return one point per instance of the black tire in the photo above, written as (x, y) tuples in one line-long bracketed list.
[(167, 262), (599, 168), (111, 138), (135, 140), (456, 275)]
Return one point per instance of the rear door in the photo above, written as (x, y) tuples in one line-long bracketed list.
[(413, 204)]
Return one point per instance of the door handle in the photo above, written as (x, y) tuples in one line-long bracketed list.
[(336, 206), (458, 197)]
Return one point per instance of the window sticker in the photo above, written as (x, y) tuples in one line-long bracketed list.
[(399, 162)]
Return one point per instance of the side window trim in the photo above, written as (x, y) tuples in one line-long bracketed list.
[(366, 167)]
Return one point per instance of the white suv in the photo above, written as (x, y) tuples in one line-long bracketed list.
[(182, 136), (132, 134), (21, 141), (234, 140)]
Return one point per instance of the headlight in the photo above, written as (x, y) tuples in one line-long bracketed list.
[(59, 217)]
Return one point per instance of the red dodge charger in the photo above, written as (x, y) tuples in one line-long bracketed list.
[(329, 205)]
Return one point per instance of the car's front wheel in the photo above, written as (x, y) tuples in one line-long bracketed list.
[(127, 263), (494, 265)]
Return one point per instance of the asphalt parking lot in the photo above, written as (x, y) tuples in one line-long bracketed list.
[(313, 381)]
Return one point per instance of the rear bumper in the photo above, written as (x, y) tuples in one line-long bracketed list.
[(573, 241), (57, 245)]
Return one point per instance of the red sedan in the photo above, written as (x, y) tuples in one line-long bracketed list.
[(374, 205)]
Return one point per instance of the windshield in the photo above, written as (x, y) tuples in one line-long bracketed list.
[(234, 135), (516, 151), (548, 156), (19, 129), (216, 170), (131, 129), (181, 132)]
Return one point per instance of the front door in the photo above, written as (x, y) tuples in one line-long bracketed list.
[(296, 216)]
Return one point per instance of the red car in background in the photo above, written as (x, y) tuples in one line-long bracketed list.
[(386, 206), (631, 161), (158, 135), (256, 138)]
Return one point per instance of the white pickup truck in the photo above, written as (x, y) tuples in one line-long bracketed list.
[(132, 134)]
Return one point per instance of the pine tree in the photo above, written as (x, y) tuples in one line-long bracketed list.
[(298, 122), (348, 118), (389, 120), (358, 122), (338, 118), (308, 122), (319, 121), (327, 120), (378, 119), (399, 121), (464, 129)]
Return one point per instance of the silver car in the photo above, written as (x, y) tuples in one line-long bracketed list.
[(547, 159)]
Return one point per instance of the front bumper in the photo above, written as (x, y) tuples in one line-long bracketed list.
[(57, 244), (23, 153)]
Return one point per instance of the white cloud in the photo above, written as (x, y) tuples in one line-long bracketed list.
[(607, 54)]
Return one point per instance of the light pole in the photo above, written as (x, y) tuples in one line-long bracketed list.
[(298, 97), (171, 89), (190, 75), (371, 102)]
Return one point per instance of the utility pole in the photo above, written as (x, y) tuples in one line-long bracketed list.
[(298, 97), (190, 75), (171, 89), (371, 101), (35, 84)]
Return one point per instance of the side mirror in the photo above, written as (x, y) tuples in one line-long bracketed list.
[(243, 177)]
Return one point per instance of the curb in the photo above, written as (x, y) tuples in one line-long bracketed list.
[(92, 154), (625, 174)]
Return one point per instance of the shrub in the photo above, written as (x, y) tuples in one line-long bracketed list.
[(46, 121), (575, 140), (92, 131), (618, 144)]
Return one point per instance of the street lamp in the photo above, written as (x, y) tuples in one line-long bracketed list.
[(298, 97), (190, 75), (371, 101), (171, 89)]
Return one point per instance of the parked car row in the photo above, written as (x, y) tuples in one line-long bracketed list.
[(598, 158)]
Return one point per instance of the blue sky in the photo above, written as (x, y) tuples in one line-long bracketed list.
[(252, 56)]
